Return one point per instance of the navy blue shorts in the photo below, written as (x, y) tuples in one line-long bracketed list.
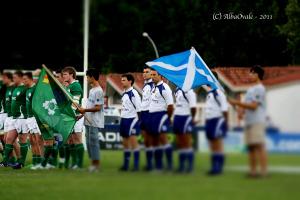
[(129, 126), (144, 120), (182, 124), (215, 128), (159, 122)]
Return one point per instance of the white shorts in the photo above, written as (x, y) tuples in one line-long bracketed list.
[(3, 116), (32, 126), (78, 128), (15, 124)]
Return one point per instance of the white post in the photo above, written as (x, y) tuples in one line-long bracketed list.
[(85, 44)]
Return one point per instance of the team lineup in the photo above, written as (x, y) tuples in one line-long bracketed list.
[(151, 114)]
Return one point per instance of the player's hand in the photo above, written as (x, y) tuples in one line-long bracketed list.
[(81, 110), (232, 101)]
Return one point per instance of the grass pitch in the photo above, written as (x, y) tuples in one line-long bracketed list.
[(111, 184)]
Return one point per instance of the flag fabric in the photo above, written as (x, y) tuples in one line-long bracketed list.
[(52, 108), (186, 70)]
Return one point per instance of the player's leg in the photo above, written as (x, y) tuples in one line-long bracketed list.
[(188, 145), (147, 140), (10, 139), (22, 136), (48, 152), (125, 133), (134, 132), (155, 132), (181, 152), (126, 153), (67, 151), (78, 145), (136, 151), (163, 138), (33, 148), (178, 128), (217, 159), (23, 149)]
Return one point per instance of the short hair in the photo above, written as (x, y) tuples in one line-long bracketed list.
[(258, 70), (215, 74), (147, 67), (70, 70), (8, 75), (19, 73), (92, 72), (129, 78), (59, 71), (29, 75)]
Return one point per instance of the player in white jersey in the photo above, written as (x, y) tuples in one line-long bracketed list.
[(255, 121), (146, 99), (129, 126), (184, 118), (160, 112), (216, 117)]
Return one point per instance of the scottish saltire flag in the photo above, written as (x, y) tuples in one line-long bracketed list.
[(52, 108), (186, 70)]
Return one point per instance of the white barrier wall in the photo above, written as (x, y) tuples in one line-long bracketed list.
[(283, 106)]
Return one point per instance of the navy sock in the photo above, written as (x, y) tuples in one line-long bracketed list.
[(126, 159), (158, 154), (214, 162), (136, 159), (149, 157), (221, 160), (190, 159), (181, 157), (169, 154)]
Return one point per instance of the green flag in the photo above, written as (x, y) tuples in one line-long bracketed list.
[(52, 108)]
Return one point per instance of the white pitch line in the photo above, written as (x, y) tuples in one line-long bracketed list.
[(275, 169)]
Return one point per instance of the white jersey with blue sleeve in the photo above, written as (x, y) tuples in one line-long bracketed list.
[(184, 102), (146, 98), (215, 104), (131, 103), (161, 97)]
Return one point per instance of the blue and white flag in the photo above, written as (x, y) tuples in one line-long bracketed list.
[(187, 70)]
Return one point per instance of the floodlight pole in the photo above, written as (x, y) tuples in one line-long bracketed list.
[(145, 34)]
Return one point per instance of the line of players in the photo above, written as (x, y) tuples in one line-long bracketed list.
[(152, 115), (17, 122)]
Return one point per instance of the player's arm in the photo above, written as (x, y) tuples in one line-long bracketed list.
[(191, 95), (169, 100), (137, 103)]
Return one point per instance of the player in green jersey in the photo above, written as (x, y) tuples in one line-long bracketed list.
[(32, 126), (16, 126), (7, 79), (74, 87)]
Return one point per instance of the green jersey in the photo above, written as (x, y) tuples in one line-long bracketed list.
[(2, 94), (18, 102), (29, 95), (76, 91), (7, 102)]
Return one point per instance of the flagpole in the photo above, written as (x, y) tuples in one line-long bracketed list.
[(63, 90)]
